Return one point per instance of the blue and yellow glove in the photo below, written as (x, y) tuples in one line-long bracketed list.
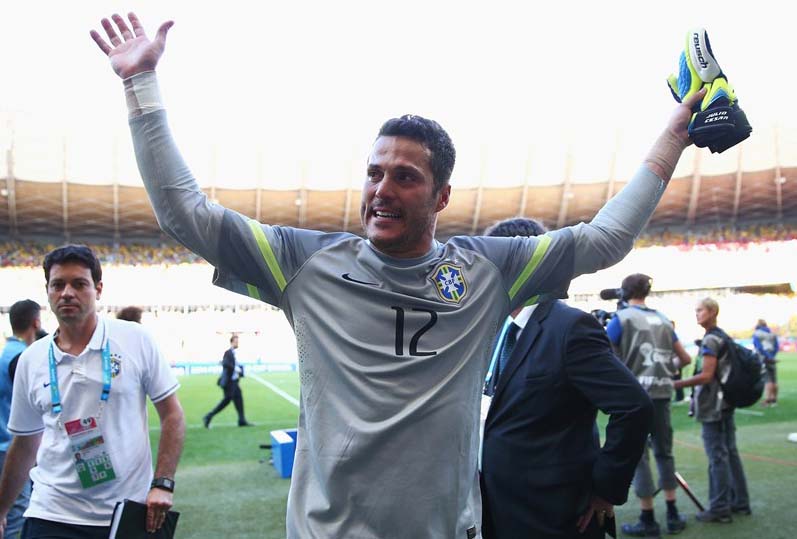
[(717, 121)]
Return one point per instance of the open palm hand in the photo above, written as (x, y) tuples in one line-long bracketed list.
[(131, 51)]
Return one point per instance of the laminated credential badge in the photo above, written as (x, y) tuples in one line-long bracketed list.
[(92, 462)]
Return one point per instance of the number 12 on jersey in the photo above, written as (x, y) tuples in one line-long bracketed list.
[(413, 348)]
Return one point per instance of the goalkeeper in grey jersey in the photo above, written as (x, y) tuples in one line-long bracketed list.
[(393, 331)]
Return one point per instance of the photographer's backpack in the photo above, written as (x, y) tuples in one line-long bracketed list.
[(745, 381)]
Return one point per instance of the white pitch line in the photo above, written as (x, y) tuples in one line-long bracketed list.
[(275, 389)]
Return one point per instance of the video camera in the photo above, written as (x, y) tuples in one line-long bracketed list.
[(604, 316)]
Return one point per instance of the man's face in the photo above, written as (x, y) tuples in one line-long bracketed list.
[(703, 314), (234, 342), (72, 293), (399, 206)]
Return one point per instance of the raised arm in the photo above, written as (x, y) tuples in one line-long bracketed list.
[(611, 234), (182, 209)]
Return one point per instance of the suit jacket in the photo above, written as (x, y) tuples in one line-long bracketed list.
[(228, 369), (541, 455)]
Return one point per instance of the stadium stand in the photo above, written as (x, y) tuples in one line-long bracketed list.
[(748, 184), (31, 253), (722, 236)]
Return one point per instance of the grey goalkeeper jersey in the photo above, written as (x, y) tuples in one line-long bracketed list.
[(392, 352)]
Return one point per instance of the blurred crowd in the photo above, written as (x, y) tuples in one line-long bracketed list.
[(720, 236), (29, 254)]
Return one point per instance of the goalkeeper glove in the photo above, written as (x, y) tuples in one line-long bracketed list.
[(717, 121)]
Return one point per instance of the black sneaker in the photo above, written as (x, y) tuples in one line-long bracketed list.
[(742, 510), (642, 529), (206, 421), (246, 424), (676, 523), (709, 516)]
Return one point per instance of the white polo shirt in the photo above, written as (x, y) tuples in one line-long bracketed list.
[(138, 371)]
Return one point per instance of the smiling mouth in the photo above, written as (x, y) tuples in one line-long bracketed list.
[(386, 214)]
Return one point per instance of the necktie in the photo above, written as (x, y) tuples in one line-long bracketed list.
[(506, 351)]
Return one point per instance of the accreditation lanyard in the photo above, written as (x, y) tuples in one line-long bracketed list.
[(55, 393), (497, 350)]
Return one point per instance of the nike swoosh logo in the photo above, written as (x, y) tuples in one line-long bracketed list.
[(47, 384), (347, 277)]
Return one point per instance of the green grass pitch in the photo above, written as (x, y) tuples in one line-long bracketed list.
[(226, 488)]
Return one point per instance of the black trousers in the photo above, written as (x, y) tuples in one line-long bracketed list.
[(36, 528), (549, 512), (232, 393)]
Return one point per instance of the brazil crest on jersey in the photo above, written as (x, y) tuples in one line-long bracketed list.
[(450, 282), (116, 365)]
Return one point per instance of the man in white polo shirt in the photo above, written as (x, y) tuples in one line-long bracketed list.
[(78, 412)]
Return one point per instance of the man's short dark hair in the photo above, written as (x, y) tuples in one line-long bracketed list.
[(22, 315), (637, 286), (131, 314), (432, 136), (73, 253), (517, 226)]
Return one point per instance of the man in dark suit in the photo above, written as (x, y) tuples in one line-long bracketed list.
[(231, 373), (544, 473)]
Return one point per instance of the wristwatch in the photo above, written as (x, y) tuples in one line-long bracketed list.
[(165, 483)]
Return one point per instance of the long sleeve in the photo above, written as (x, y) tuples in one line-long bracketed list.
[(595, 371), (228, 363), (606, 239), (182, 209)]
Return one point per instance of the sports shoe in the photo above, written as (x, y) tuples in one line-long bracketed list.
[(709, 516), (246, 424), (642, 529), (741, 510), (206, 421), (676, 523)]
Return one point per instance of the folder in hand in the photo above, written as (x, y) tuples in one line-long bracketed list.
[(129, 521)]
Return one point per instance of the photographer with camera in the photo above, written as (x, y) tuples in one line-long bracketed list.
[(646, 342)]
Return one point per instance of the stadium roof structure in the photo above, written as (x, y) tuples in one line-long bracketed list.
[(698, 197)]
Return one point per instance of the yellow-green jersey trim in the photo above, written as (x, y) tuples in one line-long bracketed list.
[(531, 266), (268, 254), (252, 291)]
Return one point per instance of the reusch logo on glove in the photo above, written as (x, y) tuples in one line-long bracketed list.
[(699, 51)]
